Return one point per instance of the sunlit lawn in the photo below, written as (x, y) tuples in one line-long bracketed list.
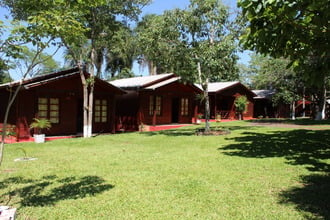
[(252, 173)]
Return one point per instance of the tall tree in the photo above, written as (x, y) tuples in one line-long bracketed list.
[(4, 51), (208, 45), (39, 34), (298, 30), (197, 44), (98, 19), (120, 52), (157, 38)]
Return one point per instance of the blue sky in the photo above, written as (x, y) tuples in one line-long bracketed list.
[(157, 7)]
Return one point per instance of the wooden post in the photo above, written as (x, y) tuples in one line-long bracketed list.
[(113, 115), (154, 117)]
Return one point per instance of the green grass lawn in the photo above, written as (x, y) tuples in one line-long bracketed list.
[(252, 173)]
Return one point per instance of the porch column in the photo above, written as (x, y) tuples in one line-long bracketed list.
[(215, 106), (195, 112), (113, 115), (154, 118)]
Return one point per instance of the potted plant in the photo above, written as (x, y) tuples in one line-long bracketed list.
[(241, 103), (39, 124), (199, 117)]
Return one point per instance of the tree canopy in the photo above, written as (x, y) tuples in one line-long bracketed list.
[(298, 30)]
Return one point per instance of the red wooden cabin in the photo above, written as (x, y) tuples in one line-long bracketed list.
[(155, 100), (58, 97), (222, 97), (265, 107)]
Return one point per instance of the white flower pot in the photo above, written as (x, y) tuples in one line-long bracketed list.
[(39, 138)]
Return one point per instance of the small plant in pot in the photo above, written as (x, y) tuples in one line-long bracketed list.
[(199, 118), (39, 124), (241, 103)]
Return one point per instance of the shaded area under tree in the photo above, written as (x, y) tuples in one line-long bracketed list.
[(309, 148), (49, 190)]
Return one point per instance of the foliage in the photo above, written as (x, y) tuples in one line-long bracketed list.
[(281, 172), (241, 103), (298, 30), (295, 29), (274, 74), (4, 77), (178, 39), (157, 38), (39, 31), (76, 23), (40, 124), (197, 43), (4, 50), (11, 130), (45, 62), (200, 115), (124, 73)]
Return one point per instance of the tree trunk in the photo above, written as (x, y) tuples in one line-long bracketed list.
[(4, 126), (207, 107), (293, 110), (90, 109), (304, 104), (205, 86), (91, 93), (152, 68), (320, 114), (85, 100)]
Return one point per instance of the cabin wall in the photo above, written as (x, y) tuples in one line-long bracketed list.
[(133, 108), (69, 93), (223, 103), (127, 108), (263, 108), (171, 105)]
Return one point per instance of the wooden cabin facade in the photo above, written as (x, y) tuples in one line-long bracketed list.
[(264, 106), (222, 97), (155, 100), (58, 97)]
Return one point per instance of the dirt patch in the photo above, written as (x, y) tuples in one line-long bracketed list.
[(202, 132)]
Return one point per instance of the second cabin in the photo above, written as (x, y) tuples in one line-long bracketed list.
[(155, 100)]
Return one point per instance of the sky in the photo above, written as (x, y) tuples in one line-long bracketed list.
[(158, 7)]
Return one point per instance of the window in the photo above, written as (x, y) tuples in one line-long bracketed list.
[(184, 106), (49, 108), (101, 111), (151, 105), (155, 104)]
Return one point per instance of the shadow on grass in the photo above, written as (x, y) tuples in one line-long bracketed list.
[(299, 147), (313, 196), (191, 131), (50, 189), (304, 121)]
